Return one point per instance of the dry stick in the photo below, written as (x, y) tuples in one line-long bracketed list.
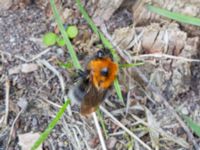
[(27, 60), (79, 131), (50, 67), (69, 134), (128, 95), (99, 131), (161, 55), (154, 90), (124, 128), (34, 57), (163, 133), (12, 127), (160, 130), (76, 138), (7, 87), (61, 80), (50, 102)]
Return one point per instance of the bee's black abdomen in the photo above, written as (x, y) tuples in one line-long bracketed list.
[(78, 92)]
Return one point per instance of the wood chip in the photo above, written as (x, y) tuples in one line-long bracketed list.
[(105, 9), (27, 68)]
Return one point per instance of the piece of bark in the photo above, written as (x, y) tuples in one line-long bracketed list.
[(142, 16), (105, 9), (5, 4)]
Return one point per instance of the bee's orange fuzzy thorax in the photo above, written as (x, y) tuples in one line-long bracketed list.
[(100, 81)]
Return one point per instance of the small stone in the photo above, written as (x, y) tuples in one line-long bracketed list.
[(27, 140), (5, 4), (22, 103), (185, 111), (1, 68), (60, 51), (67, 13), (34, 122), (12, 40), (60, 144), (54, 135), (14, 70), (27, 68), (111, 143)]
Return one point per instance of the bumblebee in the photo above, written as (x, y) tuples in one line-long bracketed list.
[(95, 81)]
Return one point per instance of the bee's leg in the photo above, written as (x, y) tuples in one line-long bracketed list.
[(78, 74)]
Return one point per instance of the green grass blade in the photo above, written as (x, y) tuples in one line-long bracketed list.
[(52, 124), (105, 42), (100, 117), (193, 125), (86, 17), (174, 15), (131, 65), (65, 36), (118, 89)]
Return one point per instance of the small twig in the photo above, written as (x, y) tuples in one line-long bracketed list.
[(2, 78), (7, 89), (5, 53), (99, 131), (169, 107), (76, 138), (27, 60), (79, 131), (124, 128), (52, 144), (68, 132), (128, 97), (163, 133), (61, 80), (50, 102), (165, 56), (52, 68), (34, 57), (12, 127), (117, 133)]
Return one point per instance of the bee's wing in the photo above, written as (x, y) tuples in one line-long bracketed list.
[(92, 99)]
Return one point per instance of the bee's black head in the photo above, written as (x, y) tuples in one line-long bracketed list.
[(100, 54), (103, 53)]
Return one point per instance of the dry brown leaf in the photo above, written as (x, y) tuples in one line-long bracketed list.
[(154, 135)]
